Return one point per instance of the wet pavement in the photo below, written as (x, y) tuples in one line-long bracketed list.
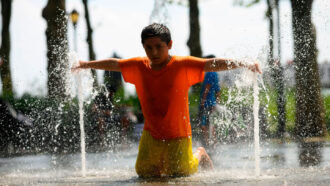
[(234, 165)]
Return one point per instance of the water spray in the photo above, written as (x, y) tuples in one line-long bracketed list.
[(256, 124), (80, 90), (81, 123)]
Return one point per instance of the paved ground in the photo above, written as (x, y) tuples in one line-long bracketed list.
[(234, 165), (307, 176)]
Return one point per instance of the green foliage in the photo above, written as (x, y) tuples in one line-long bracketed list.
[(132, 101), (229, 97), (290, 109), (269, 99)]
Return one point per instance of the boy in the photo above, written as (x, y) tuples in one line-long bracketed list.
[(162, 82)]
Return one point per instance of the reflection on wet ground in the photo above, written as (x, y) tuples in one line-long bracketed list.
[(281, 164)]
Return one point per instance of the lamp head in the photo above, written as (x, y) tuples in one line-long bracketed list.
[(74, 17)]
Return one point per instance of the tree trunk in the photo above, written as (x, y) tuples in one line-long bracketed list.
[(271, 33), (279, 84), (7, 85), (270, 59), (278, 77), (194, 37), (57, 45), (194, 43), (310, 121), (90, 42)]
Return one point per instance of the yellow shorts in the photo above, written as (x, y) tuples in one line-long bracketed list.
[(171, 157)]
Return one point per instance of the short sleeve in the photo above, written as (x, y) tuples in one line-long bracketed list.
[(194, 69), (129, 68)]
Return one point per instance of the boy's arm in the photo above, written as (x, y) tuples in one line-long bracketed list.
[(110, 64), (219, 64)]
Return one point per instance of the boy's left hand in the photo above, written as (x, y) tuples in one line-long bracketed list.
[(255, 67), (77, 67)]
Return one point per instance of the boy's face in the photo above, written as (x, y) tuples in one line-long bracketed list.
[(157, 50)]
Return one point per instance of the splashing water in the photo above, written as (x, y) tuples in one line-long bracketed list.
[(279, 162), (80, 90), (256, 124), (159, 13), (81, 123), (237, 118), (86, 79)]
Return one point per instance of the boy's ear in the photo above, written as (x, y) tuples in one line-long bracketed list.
[(169, 45)]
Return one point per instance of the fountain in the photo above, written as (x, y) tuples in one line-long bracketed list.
[(84, 84), (256, 124), (236, 160), (81, 124)]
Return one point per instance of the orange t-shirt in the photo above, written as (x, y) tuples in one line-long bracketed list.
[(163, 94)]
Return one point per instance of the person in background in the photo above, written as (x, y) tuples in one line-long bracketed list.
[(112, 80), (209, 96), (102, 109)]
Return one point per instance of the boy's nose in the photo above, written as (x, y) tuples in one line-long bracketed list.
[(154, 51)]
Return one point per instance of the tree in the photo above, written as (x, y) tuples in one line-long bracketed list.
[(194, 43), (278, 78), (57, 48), (276, 69), (5, 72), (275, 64), (90, 41), (310, 121)]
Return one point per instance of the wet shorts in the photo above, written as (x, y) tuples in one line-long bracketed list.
[(171, 157)]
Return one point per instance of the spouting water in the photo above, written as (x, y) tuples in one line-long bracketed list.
[(84, 83), (81, 124), (159, 13), (256, 124)]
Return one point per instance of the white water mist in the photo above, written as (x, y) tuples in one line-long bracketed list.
[(256, 124), (84, 83), (81, 123)]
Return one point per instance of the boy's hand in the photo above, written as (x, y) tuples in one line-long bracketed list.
[(77, 67), (255, 67)]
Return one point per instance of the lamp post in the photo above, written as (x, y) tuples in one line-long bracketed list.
[(74, 15)]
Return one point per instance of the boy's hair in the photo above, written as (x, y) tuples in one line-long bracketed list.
[(156, 30), (209, 56)]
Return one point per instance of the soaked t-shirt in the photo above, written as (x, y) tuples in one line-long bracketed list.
[(163, 94)]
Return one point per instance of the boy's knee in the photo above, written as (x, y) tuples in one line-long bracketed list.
[(145, 171), (202, 150)]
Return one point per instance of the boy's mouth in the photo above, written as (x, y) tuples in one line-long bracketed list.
[(155, 59)]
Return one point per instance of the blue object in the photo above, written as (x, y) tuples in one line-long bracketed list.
[(212, 79)]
